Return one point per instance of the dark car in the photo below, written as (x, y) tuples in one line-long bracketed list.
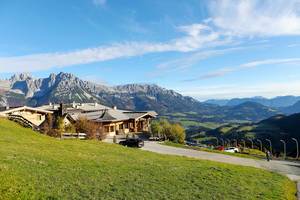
[(132, 142)]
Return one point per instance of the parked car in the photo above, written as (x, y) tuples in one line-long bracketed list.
[(232, 150), (132, 142), (220, 148), (154, 138)]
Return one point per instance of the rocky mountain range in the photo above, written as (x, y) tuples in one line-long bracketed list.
[(277, 102), (23, 89), (295, 108)]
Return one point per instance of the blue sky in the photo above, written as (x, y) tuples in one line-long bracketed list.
[(201, 48)]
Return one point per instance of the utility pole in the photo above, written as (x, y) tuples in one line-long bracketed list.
[(228, 143), (261, 146), (284, 149), (235, 142), (297, 147), (251, 143), (270, 143), (217, 141), (222, 141), (244, 143)]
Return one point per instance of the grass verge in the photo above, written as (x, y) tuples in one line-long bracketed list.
[(252, 154)]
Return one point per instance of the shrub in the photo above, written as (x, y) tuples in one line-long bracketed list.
[(156, 129), (60, 126), (70, 128), (54, 133), (173, 132), (91, 129), (48, 126), (178, 133), (166, 128)]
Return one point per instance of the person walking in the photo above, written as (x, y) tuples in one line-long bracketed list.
[(268, 155)]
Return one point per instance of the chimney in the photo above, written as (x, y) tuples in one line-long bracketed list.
[(73, 104), (114, 107), (96, 104), (7, 107), (61, 110)]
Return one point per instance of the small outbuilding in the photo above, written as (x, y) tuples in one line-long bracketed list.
[(29, 116)]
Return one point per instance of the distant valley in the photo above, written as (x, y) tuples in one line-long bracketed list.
[(276, 128), (284, 104)]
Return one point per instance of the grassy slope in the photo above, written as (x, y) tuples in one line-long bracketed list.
[(33, 166)]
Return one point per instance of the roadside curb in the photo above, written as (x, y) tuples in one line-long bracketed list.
[(297, 180)]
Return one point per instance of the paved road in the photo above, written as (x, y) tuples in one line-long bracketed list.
[(291, 169)]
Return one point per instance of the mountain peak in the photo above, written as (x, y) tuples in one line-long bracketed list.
[(20, 77), (63, 74), (251, 104)]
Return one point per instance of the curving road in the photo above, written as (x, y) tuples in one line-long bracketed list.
[(290, 169)]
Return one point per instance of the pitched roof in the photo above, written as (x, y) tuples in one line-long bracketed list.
[(86, 107), (90, 115), (113, 115), (89, 106), (100, 113), (51, 107), (26, 108), (140, 114)]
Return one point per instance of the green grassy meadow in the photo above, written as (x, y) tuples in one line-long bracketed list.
[(34, 166)]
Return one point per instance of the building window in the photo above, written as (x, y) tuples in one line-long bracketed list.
[(126, 125), (106, 129), (39, 117), (112, 129), (121, 126)]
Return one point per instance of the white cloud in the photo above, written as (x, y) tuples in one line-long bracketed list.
[(234, 21), (186, 61), (195, 38), (190, 59), (256, 18), (268, 89), (270, 62), (230, 21), (214, 74), (253, 64)]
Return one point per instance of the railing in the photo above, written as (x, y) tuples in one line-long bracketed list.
[(23, 121), (81, 136)]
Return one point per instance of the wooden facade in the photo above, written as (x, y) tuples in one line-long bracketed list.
[(125, 127)]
